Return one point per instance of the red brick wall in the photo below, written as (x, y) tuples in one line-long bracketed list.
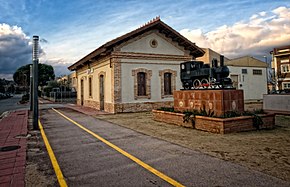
[(219, 101), (215, 125)]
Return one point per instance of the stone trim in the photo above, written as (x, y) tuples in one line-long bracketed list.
[(173, 81), (148, 83), (116, 80)]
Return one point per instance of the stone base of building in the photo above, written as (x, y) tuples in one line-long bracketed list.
[(217, 101), (126, 107), (140, 107)]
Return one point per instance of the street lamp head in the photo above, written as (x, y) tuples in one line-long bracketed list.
[(35, 45)]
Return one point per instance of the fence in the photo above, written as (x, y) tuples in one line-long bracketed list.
[(277, 102), (62, 97)]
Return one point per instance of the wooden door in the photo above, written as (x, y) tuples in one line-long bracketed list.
[(82, 92), (102, 91)]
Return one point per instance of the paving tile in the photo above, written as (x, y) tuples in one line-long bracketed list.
[(7, 160), (12, 163), (8, 165), (5, 172), (5, 179), (18, 183), (8, 155), (5, 184)]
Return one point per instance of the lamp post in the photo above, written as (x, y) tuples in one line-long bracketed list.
[(30, 86), (35, 81)]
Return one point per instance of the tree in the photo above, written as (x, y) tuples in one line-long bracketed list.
[(45, 73)]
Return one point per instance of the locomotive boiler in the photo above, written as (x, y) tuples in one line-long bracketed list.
[(196, 74)]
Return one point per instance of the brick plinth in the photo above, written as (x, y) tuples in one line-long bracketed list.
[(215, 125), (218, 101)]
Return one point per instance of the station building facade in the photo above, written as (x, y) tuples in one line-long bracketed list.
[(135, 72)]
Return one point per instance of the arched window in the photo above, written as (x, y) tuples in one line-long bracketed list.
[(141, 81), (167, 84)]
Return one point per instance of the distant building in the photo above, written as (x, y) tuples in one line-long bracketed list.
[(209, 55), (135, 72), (72, 80), (281, 65), (249, 74)]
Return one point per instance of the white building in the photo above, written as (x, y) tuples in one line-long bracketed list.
[(249, 74)]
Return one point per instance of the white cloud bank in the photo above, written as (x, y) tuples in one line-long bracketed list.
[(256, 37), (16, 51)]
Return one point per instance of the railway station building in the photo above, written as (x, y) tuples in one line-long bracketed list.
[(135, 72)]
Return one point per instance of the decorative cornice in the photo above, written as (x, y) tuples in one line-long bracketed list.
[(150, 56)]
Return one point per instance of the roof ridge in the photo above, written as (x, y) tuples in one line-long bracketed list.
[(157, 18)]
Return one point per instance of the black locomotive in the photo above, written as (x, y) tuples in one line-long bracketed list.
[(196, 74)]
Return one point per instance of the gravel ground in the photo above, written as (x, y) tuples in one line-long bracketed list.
[(267, 151)]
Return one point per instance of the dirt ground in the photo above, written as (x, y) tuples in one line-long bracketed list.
[(38, 170), (267, 151)]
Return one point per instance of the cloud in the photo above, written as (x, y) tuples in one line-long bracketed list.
[(256, 37), (15, 49)]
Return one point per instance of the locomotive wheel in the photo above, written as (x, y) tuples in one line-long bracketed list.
[(196, 83), (205, 83)]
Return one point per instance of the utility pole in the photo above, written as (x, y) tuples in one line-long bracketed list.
[(35, 81)]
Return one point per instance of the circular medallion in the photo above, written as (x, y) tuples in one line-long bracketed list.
[(210, 106), (234, 105), (180, 103), (191, 104), (153, 43)]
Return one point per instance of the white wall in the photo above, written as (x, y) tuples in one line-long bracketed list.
[(128, 80), (94, 74), (164, 46), (254, 86), (142, 45)]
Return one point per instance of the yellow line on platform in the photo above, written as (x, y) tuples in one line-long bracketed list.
[(52, 157), (133, 158)]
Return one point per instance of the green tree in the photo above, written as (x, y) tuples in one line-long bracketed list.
[(45, 74)]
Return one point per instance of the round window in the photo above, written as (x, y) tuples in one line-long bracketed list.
[(153, 43)]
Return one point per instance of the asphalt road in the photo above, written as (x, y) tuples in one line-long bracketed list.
[(87, 161), (12, 104)]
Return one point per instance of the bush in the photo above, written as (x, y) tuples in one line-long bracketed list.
[(24, 99)]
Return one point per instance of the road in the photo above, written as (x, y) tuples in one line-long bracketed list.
[(12, 104), (92, 152)]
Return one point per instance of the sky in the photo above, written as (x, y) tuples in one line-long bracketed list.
[(70, 29)]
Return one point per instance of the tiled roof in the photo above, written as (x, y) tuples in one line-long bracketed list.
[(156, 23)]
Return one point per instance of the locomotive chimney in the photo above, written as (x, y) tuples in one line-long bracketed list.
[(222, 60), (214, 63)]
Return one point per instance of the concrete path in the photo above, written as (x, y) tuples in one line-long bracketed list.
[(13, 130), (87, 161)]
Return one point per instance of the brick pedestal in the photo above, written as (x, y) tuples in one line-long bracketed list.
[(218, 101)]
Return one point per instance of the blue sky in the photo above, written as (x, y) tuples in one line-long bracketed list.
[(70, 29)]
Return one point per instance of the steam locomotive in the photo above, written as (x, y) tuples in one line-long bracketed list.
[(196, 74)]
